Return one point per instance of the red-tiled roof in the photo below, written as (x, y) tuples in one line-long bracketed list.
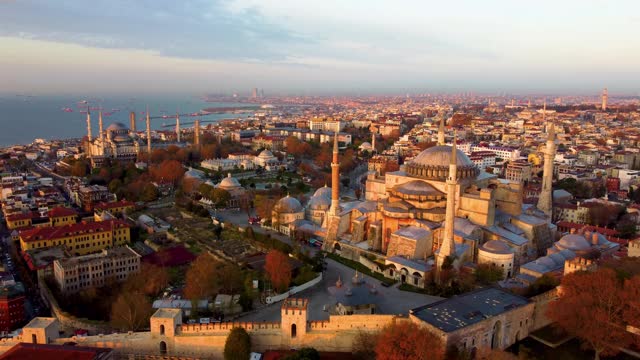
[(54, 352), (51, 233), (21, 216), (114, 204), (62, 211), (174, 256)]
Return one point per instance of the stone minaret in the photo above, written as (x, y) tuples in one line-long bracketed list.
[(605, 97), (373, 142), (196, 133), (132, 121), (101, 128), (545, 201), (441, 132), (448, 247), (178, 128), (89, 137), (335, 179), (333, 218), (148, 134)]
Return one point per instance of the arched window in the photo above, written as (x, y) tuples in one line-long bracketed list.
[(293, 331), (163, 347), (161, 329)]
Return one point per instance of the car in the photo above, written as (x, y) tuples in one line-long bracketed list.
[(191, 321), (385, 284)]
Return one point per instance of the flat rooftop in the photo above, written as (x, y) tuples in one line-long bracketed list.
[(467, 309), (40, 322), (166, 313)]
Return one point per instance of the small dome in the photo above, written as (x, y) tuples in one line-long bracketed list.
[(319, 203), (323, 191), (496, 247), (417, 187), (266, 154), (116, 126), (366, 146), (229, 183), (288, 204), (573, 242)]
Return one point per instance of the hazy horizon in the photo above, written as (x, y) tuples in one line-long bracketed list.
[(319, 47)]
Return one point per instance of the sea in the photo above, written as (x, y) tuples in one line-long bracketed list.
[(24, 118)]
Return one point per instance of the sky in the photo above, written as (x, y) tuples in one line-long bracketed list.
[(319, 47)]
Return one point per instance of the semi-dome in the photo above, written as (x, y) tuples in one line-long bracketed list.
[(573, 242), (116, 126), (496, 247), (433, 163), (288, 204), (229, 182)]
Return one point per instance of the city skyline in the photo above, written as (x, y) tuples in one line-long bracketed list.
[(318, 48)]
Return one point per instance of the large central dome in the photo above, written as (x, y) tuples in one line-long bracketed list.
[(433, 163), (441, 156)]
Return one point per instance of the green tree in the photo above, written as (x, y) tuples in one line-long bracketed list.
[(238, 345), (149, 192), (488, 274)]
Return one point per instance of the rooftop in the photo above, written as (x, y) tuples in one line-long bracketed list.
[(40, 322), (55, 352), (467, 309), (50, 233)]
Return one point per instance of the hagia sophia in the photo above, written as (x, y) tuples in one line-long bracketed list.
[(439, 205)]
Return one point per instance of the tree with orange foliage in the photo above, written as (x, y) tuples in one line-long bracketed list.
[(405, 340), (168, 171), (631, 297), (591, 307), (200, 281), (494, 354), (264, 206), (278, 268)]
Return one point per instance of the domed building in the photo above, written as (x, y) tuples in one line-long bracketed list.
[(116, 142), (285, 212), (239, 195), (318, 205), (497, 253), (267, 160), (573, 245)]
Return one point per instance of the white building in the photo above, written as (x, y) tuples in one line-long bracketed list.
[(504, 153), (95, 270)]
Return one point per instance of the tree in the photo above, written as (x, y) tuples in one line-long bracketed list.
[(405, 340), (149, 193), (150, 280), (200, 280), (130, 311), (80, 168), (278, 268), (168, 171), (591, 307), (488, 274), (264, 206), (364, 345), (238, 345)]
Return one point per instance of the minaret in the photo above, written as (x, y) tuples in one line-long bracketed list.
[(177, 127), (89, 137), (605, 97), (545, 201), (333, 217), (335, 179), (132, 121), (448, 247), (100, 126), (148, 134), (441, 132), (373, 142), (196, 133)]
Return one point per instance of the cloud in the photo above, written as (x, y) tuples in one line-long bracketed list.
[(189, 28)]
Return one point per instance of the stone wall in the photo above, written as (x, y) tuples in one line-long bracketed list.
[(67, 320)]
